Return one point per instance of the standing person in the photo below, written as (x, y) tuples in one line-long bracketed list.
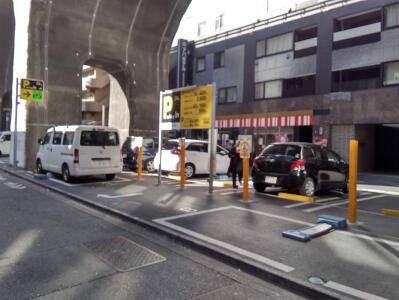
[(235, 166)]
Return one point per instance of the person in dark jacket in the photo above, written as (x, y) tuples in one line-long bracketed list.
[(235, 167)]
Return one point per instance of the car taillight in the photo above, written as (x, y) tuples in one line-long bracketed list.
[(298, 165), (256, 162), (175, 151), (76, 156)]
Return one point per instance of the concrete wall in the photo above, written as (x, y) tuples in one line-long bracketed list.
[(232, 74), (130, 39)]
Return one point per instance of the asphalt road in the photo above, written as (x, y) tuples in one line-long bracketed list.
[(54, 248)]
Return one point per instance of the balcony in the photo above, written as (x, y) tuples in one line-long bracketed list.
[(354, 85), (357, 32)]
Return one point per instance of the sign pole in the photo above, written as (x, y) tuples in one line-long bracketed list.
[(212, 152), (140, 162), (160, 138), (15, 125), (245, 189)]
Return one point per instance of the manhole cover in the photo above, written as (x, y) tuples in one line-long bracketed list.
[(123, 254), (316, 280)]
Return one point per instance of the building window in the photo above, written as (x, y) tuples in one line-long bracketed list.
[(300, 86), (219, 23), (281, 43), (201, 29), (269, 89), (391, 73), (219, 60), (227, 95), (261, 48), (391, 16), (200, 66), (357, 79)]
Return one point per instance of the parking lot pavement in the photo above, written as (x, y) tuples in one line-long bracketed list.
[(344, 260)]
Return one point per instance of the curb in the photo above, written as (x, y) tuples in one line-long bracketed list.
[(232, 259)]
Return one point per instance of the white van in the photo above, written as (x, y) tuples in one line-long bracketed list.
[(80, 150), (5, 139)]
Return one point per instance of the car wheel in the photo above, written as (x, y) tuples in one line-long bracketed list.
[(189, 170), (39, 167), (149, 165), (259, 187), (110, 176), (308, 187), (66, 175)]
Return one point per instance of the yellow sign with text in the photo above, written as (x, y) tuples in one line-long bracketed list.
[(196, 108), (245, 148), (31, 89)]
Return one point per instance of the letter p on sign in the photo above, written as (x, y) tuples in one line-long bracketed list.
[(167, 107)]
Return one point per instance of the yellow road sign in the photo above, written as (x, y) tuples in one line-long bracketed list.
[(244, 148), (196, 108), (31, 89)]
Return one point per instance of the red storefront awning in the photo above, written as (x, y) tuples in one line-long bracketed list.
[(276, 119)]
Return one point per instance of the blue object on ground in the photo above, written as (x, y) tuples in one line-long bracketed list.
[(40, 176), (296, 235), (336, 222), (306, 234)]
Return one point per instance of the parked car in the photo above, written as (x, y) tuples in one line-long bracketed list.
[(130, 153), (5, 139), (80, 150), (302, 167), (197, 158)]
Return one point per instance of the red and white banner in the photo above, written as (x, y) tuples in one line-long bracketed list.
[(248, 121)]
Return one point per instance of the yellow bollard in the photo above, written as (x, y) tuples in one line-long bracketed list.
[(245, 175), (353, 155), (182, 162), (140, 163)]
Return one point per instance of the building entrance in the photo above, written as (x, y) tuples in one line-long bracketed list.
[(387, 148)]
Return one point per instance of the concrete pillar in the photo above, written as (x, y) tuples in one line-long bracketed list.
[(130, 39)]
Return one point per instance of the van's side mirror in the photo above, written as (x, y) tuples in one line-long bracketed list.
[(40, 141)]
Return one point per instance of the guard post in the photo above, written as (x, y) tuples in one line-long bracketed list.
[(244, 149), (182, 142), (353, 157), (140, 162)]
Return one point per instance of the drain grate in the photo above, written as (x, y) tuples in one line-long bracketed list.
[(123, 254)]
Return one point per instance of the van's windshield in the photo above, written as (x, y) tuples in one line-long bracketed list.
[(99, 138)]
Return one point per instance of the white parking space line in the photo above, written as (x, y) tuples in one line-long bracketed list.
[(259, 258), (351, 291), (119, 196), (229, 193), (297, 204), (61, 182), (321, 207)]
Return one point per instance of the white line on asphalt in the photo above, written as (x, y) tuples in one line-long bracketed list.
[(264, 260), (379, 191), (352, 234), (351, 291), (297, 204), (321, 207), (2, 178), (229, 193), (121, 179), (15, 185), (118, 196), (61, 182)]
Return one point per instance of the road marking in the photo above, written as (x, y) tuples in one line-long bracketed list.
[(264, 260), (297, 204), (187, 209), (229, 193), (61, 182), (118, 196), (15, 185), (379, 191), (351, 291), (2, 178), (321, 207)]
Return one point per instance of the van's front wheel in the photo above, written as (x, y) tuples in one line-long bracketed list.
[(66, 175), (110, 176)]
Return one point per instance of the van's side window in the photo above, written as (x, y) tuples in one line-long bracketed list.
[(7, 137), (46, 139), (68, 138), (57, 137)]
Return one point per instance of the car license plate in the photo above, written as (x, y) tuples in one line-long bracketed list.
[(271, 179)]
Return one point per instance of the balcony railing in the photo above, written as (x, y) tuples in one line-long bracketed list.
[(354, 85), (358, 31)]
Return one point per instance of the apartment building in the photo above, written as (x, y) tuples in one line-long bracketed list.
[(326, 73)]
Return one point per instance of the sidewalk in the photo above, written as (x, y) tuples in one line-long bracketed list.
[(248, 235)]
